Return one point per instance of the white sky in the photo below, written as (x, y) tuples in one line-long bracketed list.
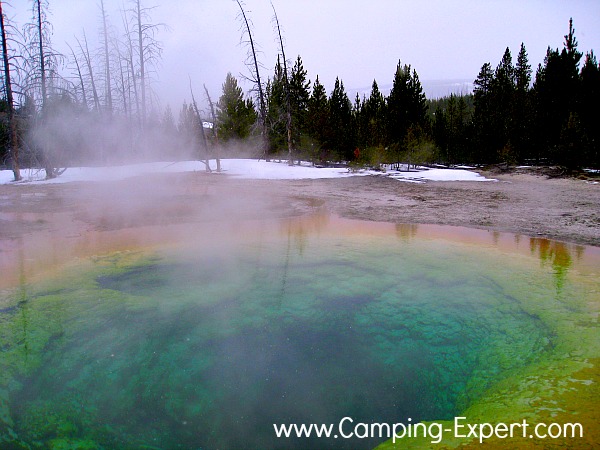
[(356, 40)]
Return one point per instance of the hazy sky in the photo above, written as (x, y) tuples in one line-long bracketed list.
[(357, 40)]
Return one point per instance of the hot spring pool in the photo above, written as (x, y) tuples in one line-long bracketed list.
[(211, 339)]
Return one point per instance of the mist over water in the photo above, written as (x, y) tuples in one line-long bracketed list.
[(210, 343)]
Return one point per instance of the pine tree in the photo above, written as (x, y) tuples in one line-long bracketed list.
[(451, 127), (482, 115), (359, 124), (339, 131), (374, 113), (418, 109), (556, 90), (398, 106), (235, 116), (276, 109), (186, 126), (502, 97), (522, 114), (406, 108), (522, 71), (318, 118), (299, 98), (589, 112), (167, 121)]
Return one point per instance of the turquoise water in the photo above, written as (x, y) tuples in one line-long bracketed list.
[(208, 344)]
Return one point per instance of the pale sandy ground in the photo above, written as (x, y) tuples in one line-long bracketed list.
[(559, 208), (44, 224), (562, 209)]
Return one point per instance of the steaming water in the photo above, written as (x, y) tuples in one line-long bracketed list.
[(207, 345)]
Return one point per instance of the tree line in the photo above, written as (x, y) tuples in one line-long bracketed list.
[(510, 117), (104, 108)]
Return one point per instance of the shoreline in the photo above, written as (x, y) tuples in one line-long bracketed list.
[(43, 226), (561, 209)]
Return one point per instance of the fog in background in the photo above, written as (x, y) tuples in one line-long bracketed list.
[(200, 41), (447, 42)]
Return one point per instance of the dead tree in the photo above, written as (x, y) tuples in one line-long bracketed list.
[(255, 78), (79, 76), (42, 62), (13, 135), (286, 85), (123, 86), (129, 58), (142, 59), (214, 129), (107, 73), (149, 49), (201, 127), (88, 61)]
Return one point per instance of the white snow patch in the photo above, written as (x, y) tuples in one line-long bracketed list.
[(243, 168), (263, 170), (439, 175)]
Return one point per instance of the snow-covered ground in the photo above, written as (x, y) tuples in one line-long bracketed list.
[(244, 168)]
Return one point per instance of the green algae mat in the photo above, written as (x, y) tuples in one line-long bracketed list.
[(217, 341)]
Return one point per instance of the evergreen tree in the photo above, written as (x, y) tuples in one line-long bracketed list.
[(318, 118), (440, 134), (374, 116), (359, 124), (235, 116), (187, 126), (502, 96), (168, 121), (556, 90), (522, 114), (299, 98), (418, 104), (339, 132), (589, 110), (482, 115), (459, 131), (522, 71), (406, 108), (276, 109), (451, 127)]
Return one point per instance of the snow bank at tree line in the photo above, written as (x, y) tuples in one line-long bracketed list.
[(242, 168)]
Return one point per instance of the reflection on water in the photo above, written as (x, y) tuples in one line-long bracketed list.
[(209, 343), (558, 255), (406, 231)]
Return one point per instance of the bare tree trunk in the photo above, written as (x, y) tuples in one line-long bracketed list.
[(214, 129), (83, 93), (288, 108), (38, 6), (201, 125), (123, 83), (88, 61), (140, 34), (131, 68), (134, 83), (47, 159), (261, 96), (109, 105), (13, 135)]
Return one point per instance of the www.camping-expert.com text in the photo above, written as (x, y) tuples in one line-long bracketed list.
[(435, 431)]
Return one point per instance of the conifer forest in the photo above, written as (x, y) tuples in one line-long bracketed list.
[(96, 106)]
